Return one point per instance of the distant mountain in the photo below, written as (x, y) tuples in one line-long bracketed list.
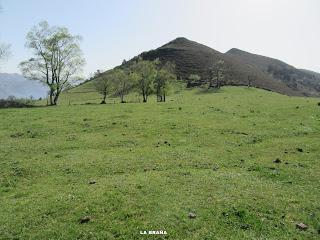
[(20, 87), (304, 82)]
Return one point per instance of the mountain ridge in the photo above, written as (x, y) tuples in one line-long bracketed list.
[(304, 81), (14, 84)]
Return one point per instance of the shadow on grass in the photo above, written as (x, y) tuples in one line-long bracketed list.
[(208, 90)]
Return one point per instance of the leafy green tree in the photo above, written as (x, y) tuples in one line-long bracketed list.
[(123, 82), (104, 83), (216, 74), (57, 58), (146, 73), (193, 79), (165, 76)]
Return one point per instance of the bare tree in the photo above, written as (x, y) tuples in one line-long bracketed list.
[(251, 75), (57, 58), (4, 48), (4, 51)]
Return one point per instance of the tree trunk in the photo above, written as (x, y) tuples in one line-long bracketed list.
[(145, 98), (104, 98), (164, 97), (51, 97), (122, 98), (217, 82), (211, 84), (56, 97), (122, 92)]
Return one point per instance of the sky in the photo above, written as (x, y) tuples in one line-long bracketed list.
[(114, 30)]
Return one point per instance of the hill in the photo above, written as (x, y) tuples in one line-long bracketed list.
[(240, 67), (16, 85), (126, 168), (193, 58), (301, 81)]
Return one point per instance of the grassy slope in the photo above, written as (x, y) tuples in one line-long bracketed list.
[(219, 165)]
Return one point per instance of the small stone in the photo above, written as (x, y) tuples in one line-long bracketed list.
[(215, 168), (92, 182), (192, 215), (301, 226), (85, 219), (245, 226), (277, 160)]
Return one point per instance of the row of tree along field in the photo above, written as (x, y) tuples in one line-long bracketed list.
[(57, 62), (148, 77)]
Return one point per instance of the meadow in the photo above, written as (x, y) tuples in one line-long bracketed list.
[(238, 163)]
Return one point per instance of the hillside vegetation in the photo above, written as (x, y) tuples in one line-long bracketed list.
[(243, 162)]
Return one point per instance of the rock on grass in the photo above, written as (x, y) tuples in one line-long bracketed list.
[(85, 219), (192, 215), (301, 226), (277, 160), (299, 149)]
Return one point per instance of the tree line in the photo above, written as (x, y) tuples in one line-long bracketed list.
[(215, 78), (147, 77)]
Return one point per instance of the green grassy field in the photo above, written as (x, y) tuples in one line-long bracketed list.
[(211, 154)]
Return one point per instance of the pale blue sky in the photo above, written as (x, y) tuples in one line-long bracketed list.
[(114, 30)]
